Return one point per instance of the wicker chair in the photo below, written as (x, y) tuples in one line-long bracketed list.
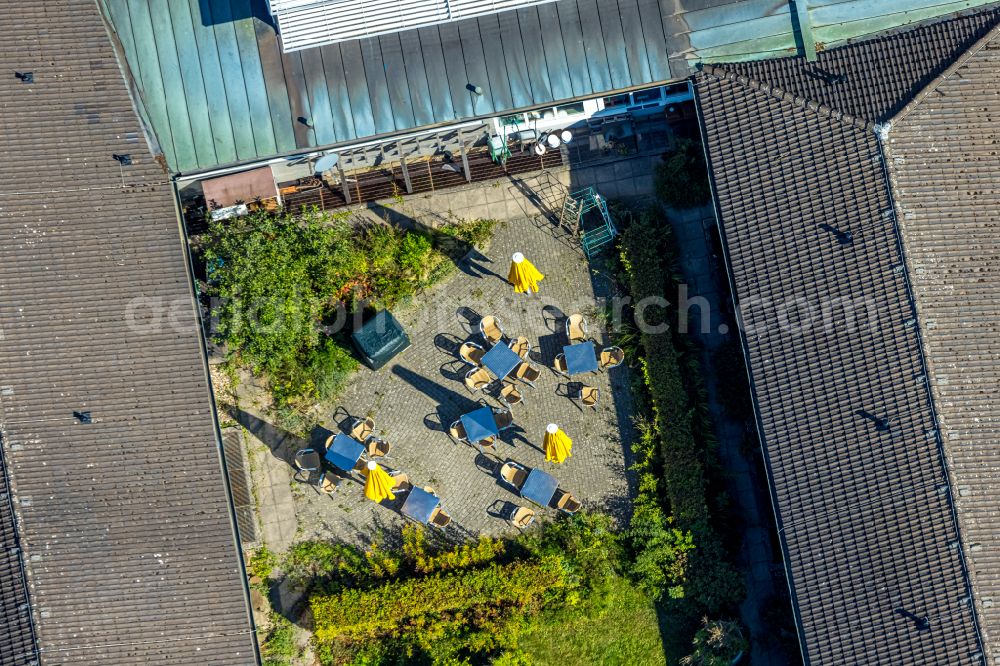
[(440, 518), (504, 418), (330, 483), (491, 330), (611, 357), (457, 431), (400, 482), (576, 328), (521, 517), (513, 475), (589, 396), (527, 373), (472, 353), (566, 503), (363, 429), (376, 447), (489, 444), (306, 460), (560, 365), (510, 396), (477, 379), (521, 347)]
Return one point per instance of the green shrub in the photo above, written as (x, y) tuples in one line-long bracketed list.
[(424, 560), (591, 548), (323, 563), (279, 647), (717, 643), (659, 550), (261, 563), (329, 367), (449, 616), (681, 427), (681, 179), (277, 277)]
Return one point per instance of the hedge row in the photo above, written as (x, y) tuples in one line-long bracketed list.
[(711, 580)]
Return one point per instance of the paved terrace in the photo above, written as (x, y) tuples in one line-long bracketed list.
[(414, 397)]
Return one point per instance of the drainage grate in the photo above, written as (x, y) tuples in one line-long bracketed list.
[(239, 484)]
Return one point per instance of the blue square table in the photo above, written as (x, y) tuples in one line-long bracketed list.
[(480, 424), (539, 487), (344, 452), (420, 505), (580, 358), (501, 360)]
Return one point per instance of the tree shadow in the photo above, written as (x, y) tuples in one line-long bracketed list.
[(474, 265), (280, 442)]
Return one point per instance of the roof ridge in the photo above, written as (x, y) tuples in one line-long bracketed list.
[(721, 73), (960, 61)]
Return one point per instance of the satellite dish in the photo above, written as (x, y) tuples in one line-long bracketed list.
[(326, 163)]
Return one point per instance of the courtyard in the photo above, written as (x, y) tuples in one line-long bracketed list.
[(417, 395)]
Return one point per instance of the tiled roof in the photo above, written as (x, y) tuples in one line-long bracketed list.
[(846, 416), (881, 74), (943, 153), (126, 526)]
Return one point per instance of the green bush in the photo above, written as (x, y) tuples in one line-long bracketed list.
[(423, 560), (277, 277), (279, 647), (261, 563), (681, 179), (717, 643), (659, 550), (325, 564), (680, 424), (444, 618)]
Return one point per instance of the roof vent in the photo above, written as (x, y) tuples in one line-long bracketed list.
[(124, 159), (83, 417), (26, 77)]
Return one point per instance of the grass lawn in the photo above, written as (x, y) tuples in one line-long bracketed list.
[(624, 630)]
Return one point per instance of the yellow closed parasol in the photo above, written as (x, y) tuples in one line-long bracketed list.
[(378, 483), (558, 445), (523, 275)]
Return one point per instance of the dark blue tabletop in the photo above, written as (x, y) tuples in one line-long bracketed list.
[(420, 504), (501, 360), (581, 357), (480, 424), (539, 487), (344, 452)]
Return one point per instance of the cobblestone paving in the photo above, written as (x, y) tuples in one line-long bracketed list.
[(416, 396)]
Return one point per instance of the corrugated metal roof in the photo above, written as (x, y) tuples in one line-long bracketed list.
[(848, 424), (126, 524), (944, 161), (216, 88)]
